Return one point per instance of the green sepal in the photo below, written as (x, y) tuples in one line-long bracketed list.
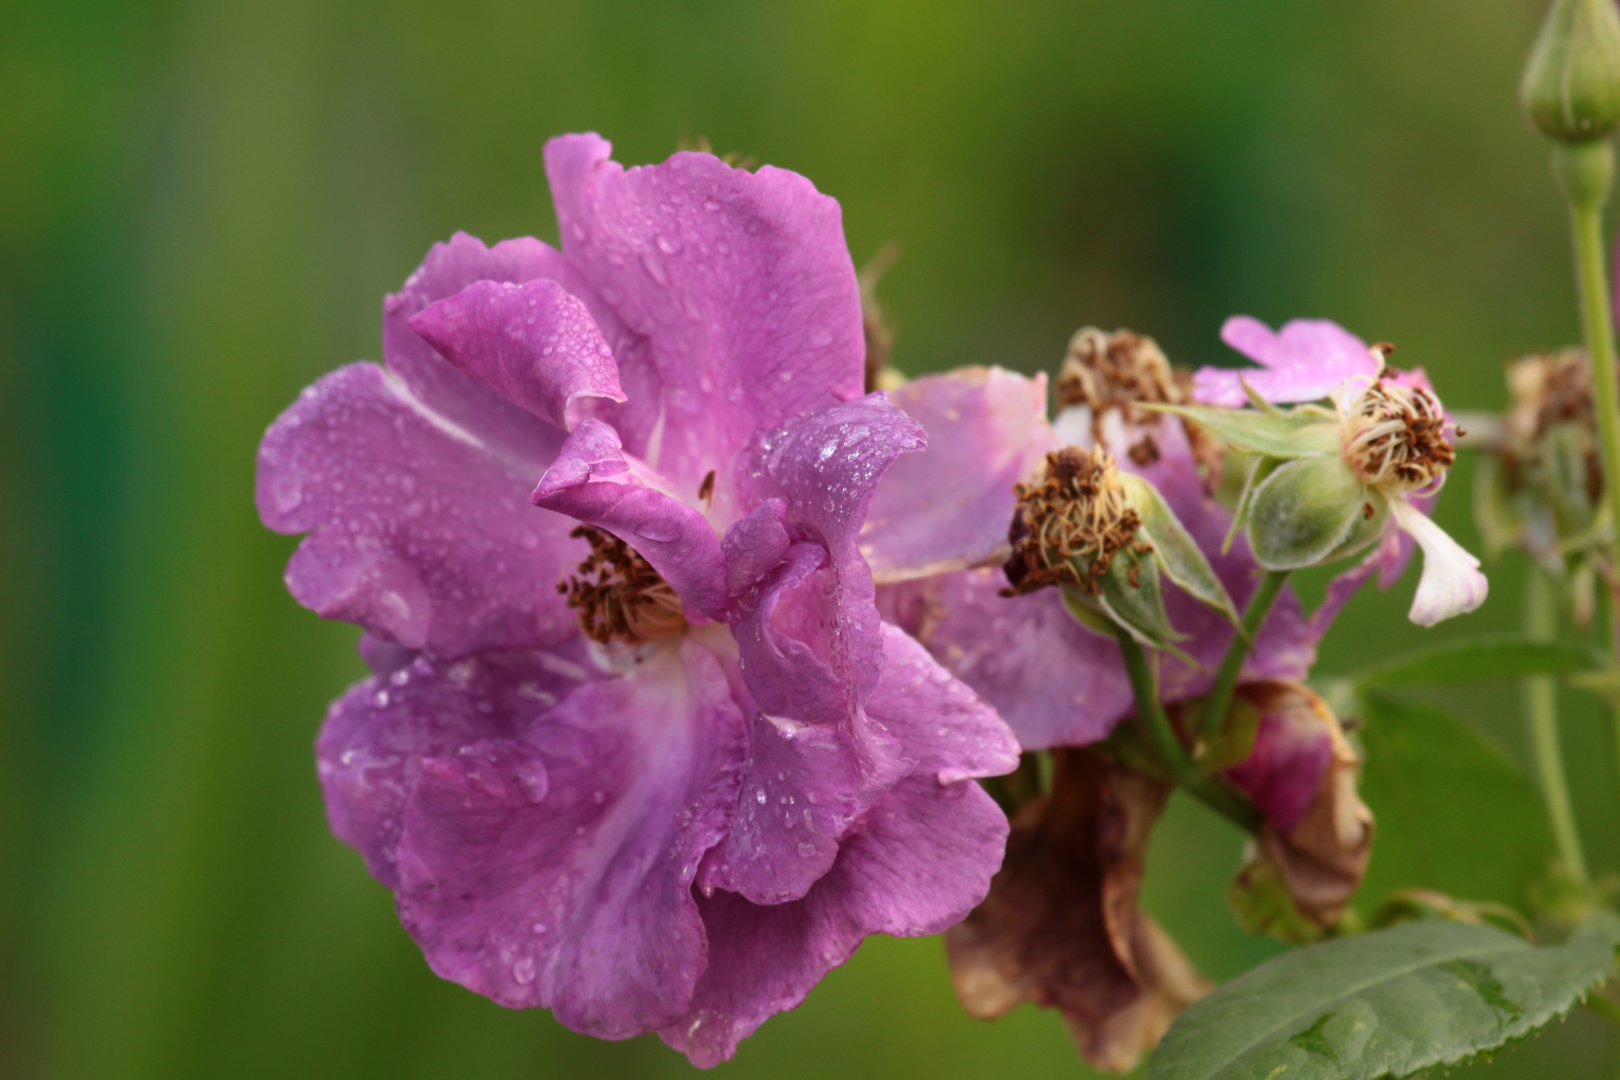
[(1262, 468), (1297, 433), (1303, 512), (1174, 549), (1236, 740), (1262, 904), (1138, 607)]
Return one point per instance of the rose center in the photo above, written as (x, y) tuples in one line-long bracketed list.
[(618, 595), (1069, 524), (1395, 438)]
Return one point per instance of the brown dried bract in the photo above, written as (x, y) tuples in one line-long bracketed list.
[(1061, 925), (618, 595), (1069, 524)]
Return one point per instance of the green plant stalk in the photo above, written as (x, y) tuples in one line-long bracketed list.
[(1254, 616), (1585, 174), (1172, 755), (1541, 714)]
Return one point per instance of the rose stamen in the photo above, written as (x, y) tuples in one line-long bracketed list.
[(618, 594), (1069, 524)]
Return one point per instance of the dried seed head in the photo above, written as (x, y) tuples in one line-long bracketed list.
[(1395, 437), (1069, 524), (1548, 389), (618, 595), (1124, 371)]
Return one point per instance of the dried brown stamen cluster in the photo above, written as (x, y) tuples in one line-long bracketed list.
[(1069, 524), (1551, 390), (618, 595), (1395, 437), (1124, 371)]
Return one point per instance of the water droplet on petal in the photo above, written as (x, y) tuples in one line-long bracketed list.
[(523, 971), (806, 849), (669, 245)]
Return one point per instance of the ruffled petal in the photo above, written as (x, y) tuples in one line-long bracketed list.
[(1451, 583), (594, 481), (1305, 361), (533, 342), (432, 379), (740, 283), (948, 507), (420, 529), (920, 860), (554, 868), (370, 750)]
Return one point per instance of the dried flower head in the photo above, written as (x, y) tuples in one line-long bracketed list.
[(1069, 524), (1395, 438), (618, 595)]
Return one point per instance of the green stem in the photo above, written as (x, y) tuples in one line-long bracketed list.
[(1172, 755), (1254, 616), (1585, 173), (1541, 713)]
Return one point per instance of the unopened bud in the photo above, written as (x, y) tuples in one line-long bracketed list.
[(1571, 87)]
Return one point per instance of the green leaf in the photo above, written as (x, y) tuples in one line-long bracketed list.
[(1455, 814), (1481, 659), (1386, 1004), (1303, 511), (1176, 552), (1294, 434)]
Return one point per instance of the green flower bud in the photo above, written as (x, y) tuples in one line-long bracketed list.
[(1571, 87), (1305, 511)]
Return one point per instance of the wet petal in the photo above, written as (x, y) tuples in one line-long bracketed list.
[(533, 342), (921, 858), (948, 507), (420, 529), (594, 481), (1451, 583), (573, 892), (739, 282), (1304, 361)]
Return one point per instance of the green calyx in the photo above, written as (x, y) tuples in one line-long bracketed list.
[(1306, 512), (1571, 86)]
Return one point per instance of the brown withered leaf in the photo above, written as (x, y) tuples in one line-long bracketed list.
[(1061, 927)]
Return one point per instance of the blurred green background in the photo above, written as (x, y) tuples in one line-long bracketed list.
[(201, 207)]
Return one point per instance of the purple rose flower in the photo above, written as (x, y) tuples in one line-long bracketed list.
[(681, 818)]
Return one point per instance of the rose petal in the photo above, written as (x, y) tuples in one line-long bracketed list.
[(575, 894), (533, 342), (1451, 583), (1305, 361), (740, 282), (371, 747), (948, 507), (419, 528), (921, 860), (594, 481), (1292, 748)]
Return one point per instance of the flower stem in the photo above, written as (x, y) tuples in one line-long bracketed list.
[(1541, 713), (1172, 755), (1585, 171), (1585, 174), (1254, 616)]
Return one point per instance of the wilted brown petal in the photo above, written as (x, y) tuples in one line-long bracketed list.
[(1061, 927)]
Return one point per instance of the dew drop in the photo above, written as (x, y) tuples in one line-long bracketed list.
[(669, 245), (806, 849), (523, 971)]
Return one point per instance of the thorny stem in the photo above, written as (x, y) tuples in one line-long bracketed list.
[(1254, 616), (1172, 755), (1585, 172), (1541, 714)]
